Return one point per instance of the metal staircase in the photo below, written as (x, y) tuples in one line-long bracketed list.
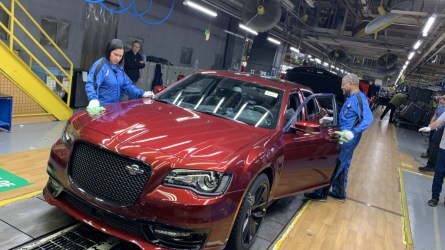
[(17, 59)]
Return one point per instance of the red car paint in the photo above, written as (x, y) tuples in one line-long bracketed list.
[(169, 137)]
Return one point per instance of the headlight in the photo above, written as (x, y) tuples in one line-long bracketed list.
[(69, 134), (201, 181)]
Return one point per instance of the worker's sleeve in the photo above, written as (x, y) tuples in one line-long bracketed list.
[(90, 87), (141, 65), (442, 117), (367, 117), (130, 90)]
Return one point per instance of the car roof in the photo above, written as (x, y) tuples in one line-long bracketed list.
[(263, 80)]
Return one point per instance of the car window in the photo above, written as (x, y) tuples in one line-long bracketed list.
[(291, 107), (312, 107), (240, 101)]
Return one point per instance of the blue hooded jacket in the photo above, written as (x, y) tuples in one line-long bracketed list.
[(110, 82)]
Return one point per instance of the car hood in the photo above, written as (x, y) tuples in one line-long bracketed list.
[(174, 130)]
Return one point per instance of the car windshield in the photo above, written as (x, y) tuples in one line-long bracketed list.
[(240, 101)]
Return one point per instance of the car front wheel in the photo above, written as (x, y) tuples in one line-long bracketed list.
[(251, 214)]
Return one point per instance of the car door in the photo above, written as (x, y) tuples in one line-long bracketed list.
[(310, 148)]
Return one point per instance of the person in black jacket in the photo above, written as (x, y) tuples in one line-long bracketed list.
[(133, 62)]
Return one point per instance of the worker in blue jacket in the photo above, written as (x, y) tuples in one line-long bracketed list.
[(355, 116), (107, 79)]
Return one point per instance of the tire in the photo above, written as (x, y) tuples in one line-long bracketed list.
[(251, 214)]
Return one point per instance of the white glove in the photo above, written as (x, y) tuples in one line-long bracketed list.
[(93, 104), (326, 120), (425, 129), (148, 94)]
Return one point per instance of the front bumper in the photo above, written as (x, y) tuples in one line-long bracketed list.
[(150, 233)]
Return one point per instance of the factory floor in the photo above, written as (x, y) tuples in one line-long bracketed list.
[(374, 216)]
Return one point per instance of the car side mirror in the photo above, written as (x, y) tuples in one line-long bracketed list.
[(307, 126), (158, 89)]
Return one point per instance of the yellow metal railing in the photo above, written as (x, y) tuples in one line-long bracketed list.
[(13, 38)]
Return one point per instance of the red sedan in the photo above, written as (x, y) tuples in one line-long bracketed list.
[(197, 166)]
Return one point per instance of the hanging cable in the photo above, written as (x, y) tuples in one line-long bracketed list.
[(162, 20), (134, 12)]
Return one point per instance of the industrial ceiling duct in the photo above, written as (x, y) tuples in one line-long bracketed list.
[(386, 18), (261, 15), (388, 72), (387, 60), (337, 55)]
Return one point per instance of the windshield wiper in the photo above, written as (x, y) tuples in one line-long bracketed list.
[(163, 101), (218, 115)]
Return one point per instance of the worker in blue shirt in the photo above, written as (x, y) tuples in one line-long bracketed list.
[(107, 79), (355, 116)]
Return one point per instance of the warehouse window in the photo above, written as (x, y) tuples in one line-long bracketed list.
[(4, 19)]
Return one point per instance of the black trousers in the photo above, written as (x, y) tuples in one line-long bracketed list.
[(391, 107), (434, 151)]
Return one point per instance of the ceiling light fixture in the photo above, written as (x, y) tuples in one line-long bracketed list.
[(417, 44), (407, 62), (200, 8), (404, 67), (429, 24), (270, 39), (332, 66), (294, 49), (337, 68), (325, 64), (251, 31), (411, 55), (309, 56)]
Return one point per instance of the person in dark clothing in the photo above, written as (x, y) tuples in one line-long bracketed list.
[(395, 102), (439, 173), (436, 137), (133, 62)]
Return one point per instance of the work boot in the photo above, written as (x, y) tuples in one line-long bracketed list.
[(338, 198), (427, 169), (424, 155), (316, 197), (433, 202)]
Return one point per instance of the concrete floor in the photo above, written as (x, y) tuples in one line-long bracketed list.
[(427, 223), (25, 137)]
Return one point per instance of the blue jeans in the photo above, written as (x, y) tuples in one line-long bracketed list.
[(339, 178), (439, 174)]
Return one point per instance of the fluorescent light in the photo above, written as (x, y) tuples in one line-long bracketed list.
[(325, 64), (429, 24), (411, 55), (311, 59), (248, 29), (317, 60), (200, 8), (270, 39), (337, 68), (342, 71), (294, 49), (417, 44), (404, 67), (309, 56), (407, 62), (332, 66)]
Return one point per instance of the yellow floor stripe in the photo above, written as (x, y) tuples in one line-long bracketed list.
[(417, 173), (19, 198), (290, 226), (436, 229), (406, 165), (407, 236)]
